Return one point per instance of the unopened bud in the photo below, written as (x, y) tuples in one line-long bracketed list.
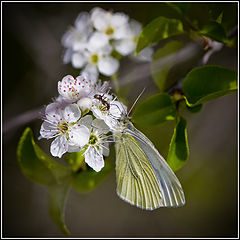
[(84, 103)]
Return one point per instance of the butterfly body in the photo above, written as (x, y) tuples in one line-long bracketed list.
[(144, 179)]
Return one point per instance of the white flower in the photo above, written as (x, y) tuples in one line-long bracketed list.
[(127, 45), (75, 38), (113, 25), (97, 145), (62, 123), (108, 109), (72, 89), (96, 57)]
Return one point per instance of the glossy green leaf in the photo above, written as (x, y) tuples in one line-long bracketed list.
[(215, 31), (160, 28), (155, 110), (86, 180), (178, 150), (163, 60), (36, 165), (57, 196), (208, 82)]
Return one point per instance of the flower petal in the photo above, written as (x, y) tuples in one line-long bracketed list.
[(94, 159), (97, 41), (145, 55), (125, 46), (48, 130), (108, 65), (85, 103), (71, 113), (117, 109), (119, 19), (78, 60), (59, 146), (100, 127), (123, 31), (82, 22), (78, 135), (86, 121), (91, 72), (100, 19)]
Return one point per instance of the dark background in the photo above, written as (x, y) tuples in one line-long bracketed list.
[(32, 65)]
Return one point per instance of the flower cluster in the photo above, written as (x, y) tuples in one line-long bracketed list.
[(80, 119), (90, 44)]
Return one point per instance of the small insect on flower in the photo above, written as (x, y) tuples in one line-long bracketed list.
[(104, 102)]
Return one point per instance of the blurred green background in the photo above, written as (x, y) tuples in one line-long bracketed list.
[(32, 65)]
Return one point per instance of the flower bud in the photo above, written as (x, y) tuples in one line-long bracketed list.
[(84, 103)]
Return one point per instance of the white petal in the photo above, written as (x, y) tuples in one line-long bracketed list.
[(67, 56), (67, 39), (73, 148), (94, 159), (101, 126), (105, 149), (105, 50), (82, 22), (145, 55), (48, 130), (122, 32), (53, 113), (117, 109), (78, 60), (108, 65), (84, 103), (78, 135), (71, 113), (91, 72), (135, 27), (79, 44), (59, 146), (86, 121), (119, 19), (97, 41), (100, 19), (125, 46), (112, 123)]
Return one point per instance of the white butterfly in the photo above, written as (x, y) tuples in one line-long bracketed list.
[(144, 178)]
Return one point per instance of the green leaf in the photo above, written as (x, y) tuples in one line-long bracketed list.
[(215, 31), (160, 28), (163, 60), (36, 165), (194, 109), (178, 150), (86, 180), (208, 82), (219, 19), (155, 110), (57, 196)]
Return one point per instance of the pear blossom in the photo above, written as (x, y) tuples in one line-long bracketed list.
[(127, 45), (62, 123), (97, 146), (113, 25), (109, 110), (72, 89), (96, 57), (76, 37)]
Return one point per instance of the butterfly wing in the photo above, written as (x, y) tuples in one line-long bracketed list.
[(136, 180), (170, 187)]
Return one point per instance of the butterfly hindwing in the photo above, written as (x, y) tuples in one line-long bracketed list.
[(136, 180), (171, 189)]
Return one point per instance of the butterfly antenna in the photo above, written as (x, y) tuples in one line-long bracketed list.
[(136, 101)]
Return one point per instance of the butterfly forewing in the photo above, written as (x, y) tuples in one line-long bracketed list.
[(170, 187), (136, 180)]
